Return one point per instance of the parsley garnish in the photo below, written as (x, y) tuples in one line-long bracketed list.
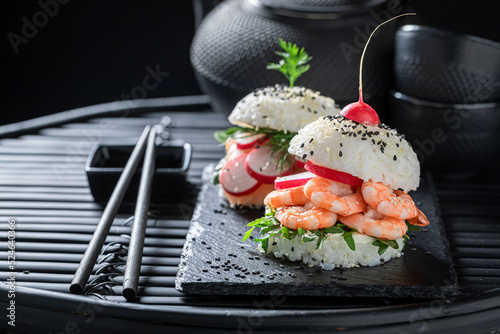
[(278, 142), (294, 61)]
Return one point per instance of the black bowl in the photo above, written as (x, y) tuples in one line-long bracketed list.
[(105, 164), (451, 140), (444, 66)]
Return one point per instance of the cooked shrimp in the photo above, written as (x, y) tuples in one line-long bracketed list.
[(395, 204), (376, 224), (419, 220), (334, 196), (309, 217), (286, 197)]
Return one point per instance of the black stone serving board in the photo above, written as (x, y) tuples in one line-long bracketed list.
[(215, 261)]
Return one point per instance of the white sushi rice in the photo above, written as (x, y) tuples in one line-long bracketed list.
[(370, 152), (333, 252), (282, 108)]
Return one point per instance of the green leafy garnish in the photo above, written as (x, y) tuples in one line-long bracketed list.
[(270, 226), (223, 135), (412, 228), (383, 245), (278, 142), (294, 61)]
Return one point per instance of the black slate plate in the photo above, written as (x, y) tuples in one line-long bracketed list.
[(216, 262)]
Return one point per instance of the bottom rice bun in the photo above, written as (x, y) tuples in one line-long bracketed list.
[(352, 207), (334, 252)]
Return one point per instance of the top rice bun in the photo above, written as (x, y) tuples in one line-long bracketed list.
[(282, 108), (370, 152)]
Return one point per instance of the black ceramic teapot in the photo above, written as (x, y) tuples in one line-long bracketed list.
[(238, 38)]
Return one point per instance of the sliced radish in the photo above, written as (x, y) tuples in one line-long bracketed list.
[(261, 165), (234, 178), (244, 140), (291, 181), (334, 175)]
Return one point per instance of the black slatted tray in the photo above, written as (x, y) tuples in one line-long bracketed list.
[(43, 188)]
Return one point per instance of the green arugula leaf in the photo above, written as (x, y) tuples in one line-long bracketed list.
[(349, 240), (381, 246), (301, 231), (321, 238), (284, 232), (305, 239), (248, 233), (411, 227), (384, 244), (222, 135), (264, 244), (333, 229), (294, 62)]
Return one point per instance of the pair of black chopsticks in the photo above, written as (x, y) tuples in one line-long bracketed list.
[(145, 146)]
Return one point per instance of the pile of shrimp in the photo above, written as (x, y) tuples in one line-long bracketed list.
[(372, 209)]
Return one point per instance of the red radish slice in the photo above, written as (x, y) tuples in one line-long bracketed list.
[(234, 178), (261, 165), (244, 140), (291, 181), (334, 175)]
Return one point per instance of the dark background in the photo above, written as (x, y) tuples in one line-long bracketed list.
[(92, 52)]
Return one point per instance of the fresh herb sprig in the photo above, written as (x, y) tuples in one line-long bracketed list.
[(294, 62), (278, 142)]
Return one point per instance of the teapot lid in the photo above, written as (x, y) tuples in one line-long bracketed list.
[(315, 9)]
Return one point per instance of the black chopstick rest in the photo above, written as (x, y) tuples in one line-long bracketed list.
[(90, 256), (136, 245)]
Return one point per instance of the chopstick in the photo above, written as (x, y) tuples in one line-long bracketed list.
[(136, 245), (88, 261)]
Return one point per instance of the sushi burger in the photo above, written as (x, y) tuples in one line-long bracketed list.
[(352, 207), (264, 123)]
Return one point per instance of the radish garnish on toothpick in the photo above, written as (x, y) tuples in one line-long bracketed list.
[(360, 111)]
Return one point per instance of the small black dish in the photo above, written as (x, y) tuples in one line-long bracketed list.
[(106, 163), (454, 141), (444, 66)]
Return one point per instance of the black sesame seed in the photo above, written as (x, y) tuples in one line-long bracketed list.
[(395, 157), (311, 153), (340, 144), (340, 153), (304, 156), (376, 133), (311, 140), (293, 249), (302, 145)]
